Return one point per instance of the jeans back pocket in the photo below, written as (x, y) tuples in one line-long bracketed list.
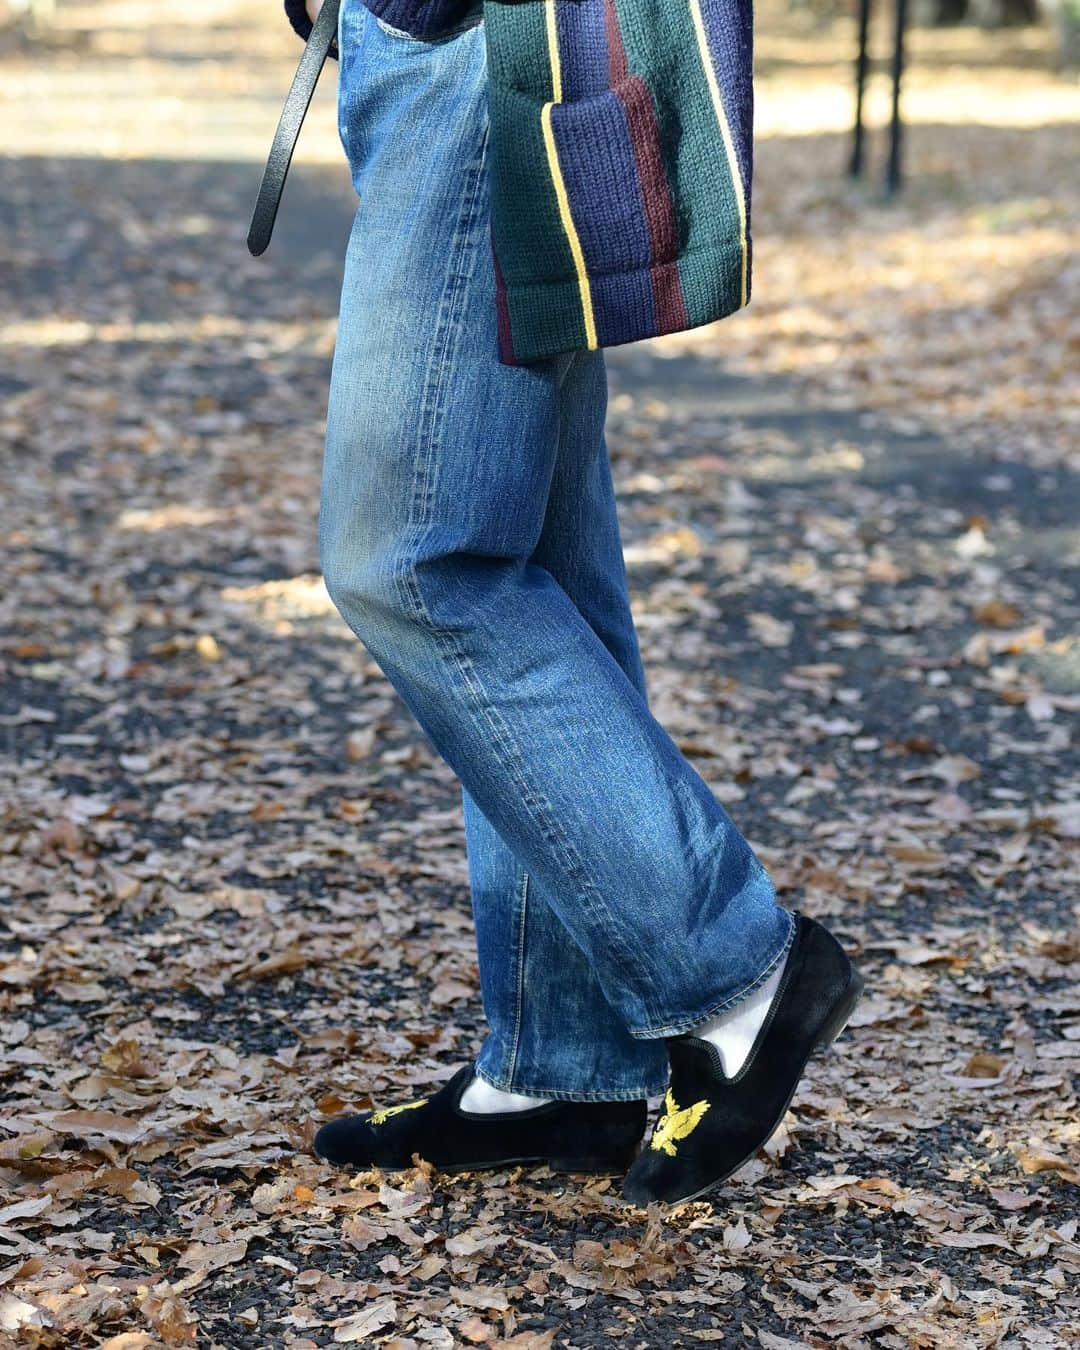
[(429, 40)]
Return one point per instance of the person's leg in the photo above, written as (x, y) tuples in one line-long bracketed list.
[(552, 1029), (580, 507), (438, 471)]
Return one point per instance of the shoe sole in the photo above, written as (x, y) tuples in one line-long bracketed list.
[(837, 1021), (583, 1166)]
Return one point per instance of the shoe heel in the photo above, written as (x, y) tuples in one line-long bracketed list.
[(842, 1013), (594, 1166)]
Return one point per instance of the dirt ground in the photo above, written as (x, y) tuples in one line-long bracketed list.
[(233, 892)]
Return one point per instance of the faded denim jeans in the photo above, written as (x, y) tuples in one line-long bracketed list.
[(469, 538)]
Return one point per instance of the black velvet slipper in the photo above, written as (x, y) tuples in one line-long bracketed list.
[(711, 1124), (593, 1137)]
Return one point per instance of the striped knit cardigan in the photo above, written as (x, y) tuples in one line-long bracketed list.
[(620, 163)]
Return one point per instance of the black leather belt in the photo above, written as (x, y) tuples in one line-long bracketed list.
[(319, 42)]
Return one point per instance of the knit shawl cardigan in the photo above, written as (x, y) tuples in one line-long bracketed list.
[(620, 163)]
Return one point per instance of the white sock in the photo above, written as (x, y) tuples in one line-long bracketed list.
[(733, 1032), (481, 1096)]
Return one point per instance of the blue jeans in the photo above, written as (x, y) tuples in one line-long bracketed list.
[(469, 538)]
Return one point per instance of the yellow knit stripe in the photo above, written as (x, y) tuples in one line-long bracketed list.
[(553, 51), (557, 179), (725, 131)]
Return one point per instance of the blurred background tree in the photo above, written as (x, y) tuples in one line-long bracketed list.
[(1063, 16), (36, 17), (33, 14)]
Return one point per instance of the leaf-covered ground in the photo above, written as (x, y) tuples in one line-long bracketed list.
[(233, 896)]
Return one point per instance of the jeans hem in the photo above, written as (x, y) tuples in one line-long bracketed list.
[(573, 1094), (686, 1023)]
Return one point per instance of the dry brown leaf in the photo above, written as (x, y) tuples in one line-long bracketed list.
[(202, 1257), (1038, 1157), (377, 1315)]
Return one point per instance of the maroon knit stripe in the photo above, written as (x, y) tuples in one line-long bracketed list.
[(506, 342), (636, 98), (670, 305), (617, 67)]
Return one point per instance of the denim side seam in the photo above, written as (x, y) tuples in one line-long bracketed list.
[(519, 980), (436, 385), (422, 489), (342, 91), (685, 1024), (429, 425), (533, 800)]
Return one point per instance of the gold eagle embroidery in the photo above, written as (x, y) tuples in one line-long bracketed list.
[(676, 1123), (377, 1117)]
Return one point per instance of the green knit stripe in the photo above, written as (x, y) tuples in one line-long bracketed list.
[(517, 48), (661, 44), (546, 317), (529, 237)]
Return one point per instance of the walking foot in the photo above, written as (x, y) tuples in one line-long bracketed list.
[(711, 1124), (589, 1137)]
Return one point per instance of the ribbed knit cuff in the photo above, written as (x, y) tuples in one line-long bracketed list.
[(296, 10)]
